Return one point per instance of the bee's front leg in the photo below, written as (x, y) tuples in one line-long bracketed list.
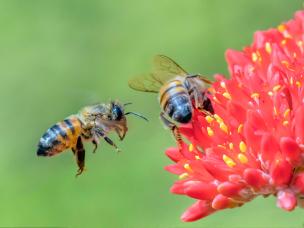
[(173, 128), (107, 139), (79, 152)]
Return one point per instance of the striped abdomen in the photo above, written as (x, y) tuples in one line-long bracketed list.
[(175, 101), (63, 135)]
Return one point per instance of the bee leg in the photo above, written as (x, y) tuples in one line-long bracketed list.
[(107, 139), (173, 128), (202, 103), (95, 142), (95, 146), (80, 156)]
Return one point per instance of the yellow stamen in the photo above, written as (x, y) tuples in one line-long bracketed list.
[(218, 118), (188, 167), (255, 95), (291, 81), (240, 128), (283, 42), (243, 159), (210, 131), (254, 57), (275, 111), (227, 95), (221, 146), (216, 100), (268, 47), (243, 147), (223, 127), (286, 113), (276, 88), (197, 157), (229, 162), (298, 83), (270, 93), (223, 84), (191, 147), (251, 69), (209, 119), (231, 146), (183, 176), (281, 28), (285, 123)]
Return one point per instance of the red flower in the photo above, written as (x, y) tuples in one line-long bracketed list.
[(253, 145)]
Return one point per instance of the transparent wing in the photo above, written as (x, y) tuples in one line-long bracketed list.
[(146, 83), (166, 68)]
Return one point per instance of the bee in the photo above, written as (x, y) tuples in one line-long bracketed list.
[(178, 92), (91, 124)]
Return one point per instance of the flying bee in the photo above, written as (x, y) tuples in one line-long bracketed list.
[(178, 92), (91, 124)]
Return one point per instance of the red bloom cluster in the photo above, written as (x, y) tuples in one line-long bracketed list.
[(254, 143)]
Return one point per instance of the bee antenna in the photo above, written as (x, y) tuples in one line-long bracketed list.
[(127, 103), (138, 115)]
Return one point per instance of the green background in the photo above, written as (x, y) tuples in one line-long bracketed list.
[(57, 56)]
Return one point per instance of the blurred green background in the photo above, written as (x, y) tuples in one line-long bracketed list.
[(58, 55)]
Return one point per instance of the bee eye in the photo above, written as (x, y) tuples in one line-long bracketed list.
[(117, 113)]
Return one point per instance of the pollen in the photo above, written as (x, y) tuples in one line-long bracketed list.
[(254, 57), (188, 167), (243, 147), (298, 83), (223, 84), (286, 113), (281, 28), (209, 119), (270, 93), (285, 123), (283, 42), (183, 176), (276, 88), (240, 128), (191, 147), (291, 81), (221, 146), (224, 127), (227, 95), (218, 118), (210, 131), (197, 157), (255, 95), (243, 159), (231, 146), (229, 162), (268, 47)]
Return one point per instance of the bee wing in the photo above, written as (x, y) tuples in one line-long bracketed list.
[(166, 68), (146, 83)]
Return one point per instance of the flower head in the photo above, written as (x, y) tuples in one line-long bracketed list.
[(254, 143)]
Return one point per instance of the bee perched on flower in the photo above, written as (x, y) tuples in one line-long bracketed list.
[(254, 143)]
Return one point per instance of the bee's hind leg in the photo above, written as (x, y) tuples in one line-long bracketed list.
[(79, 152), (173, 128)]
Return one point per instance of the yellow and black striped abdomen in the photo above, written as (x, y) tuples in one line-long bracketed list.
[(175, 101), (170, 90), (61, 136)]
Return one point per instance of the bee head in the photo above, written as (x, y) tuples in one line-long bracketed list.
[(117, 112)]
